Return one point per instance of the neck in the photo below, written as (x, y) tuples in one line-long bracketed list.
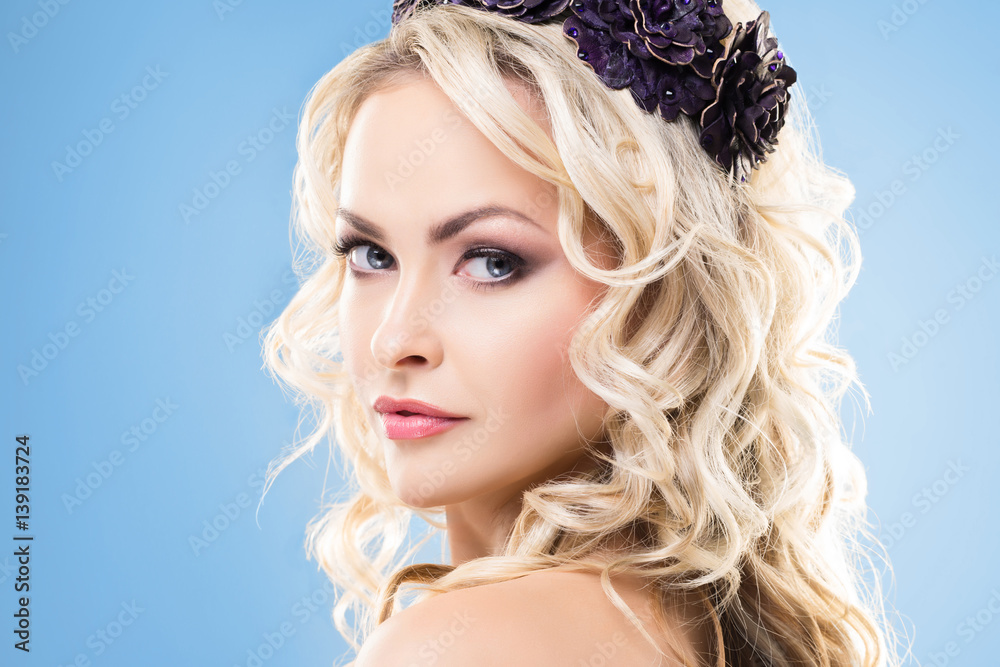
[(480, 527)]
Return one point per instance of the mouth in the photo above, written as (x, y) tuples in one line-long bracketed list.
[(409, 418), (406, 425)]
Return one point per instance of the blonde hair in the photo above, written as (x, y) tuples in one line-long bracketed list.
[(712, 348)]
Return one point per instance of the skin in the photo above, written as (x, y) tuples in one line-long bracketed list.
[(412, 324), (569, 621)]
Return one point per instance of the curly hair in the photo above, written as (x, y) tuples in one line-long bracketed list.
[(712, 347)]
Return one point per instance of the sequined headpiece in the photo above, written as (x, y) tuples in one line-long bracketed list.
[(669, 53)]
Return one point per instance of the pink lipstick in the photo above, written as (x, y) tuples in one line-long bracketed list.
[(408, 419)]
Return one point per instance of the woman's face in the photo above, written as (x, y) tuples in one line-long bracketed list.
[(481, 335)]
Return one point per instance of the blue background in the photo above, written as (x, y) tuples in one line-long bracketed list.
[(885, 80)]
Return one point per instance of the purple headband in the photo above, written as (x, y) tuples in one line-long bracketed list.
[(669, 53)]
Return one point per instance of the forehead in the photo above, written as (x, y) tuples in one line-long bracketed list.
[(411, 151)]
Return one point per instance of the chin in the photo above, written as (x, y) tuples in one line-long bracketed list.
[(415, 497), (423, 493), (432, 489)]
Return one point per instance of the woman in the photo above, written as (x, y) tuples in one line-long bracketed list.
[(582, 320)]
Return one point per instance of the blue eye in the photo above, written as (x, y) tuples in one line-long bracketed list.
[(495, 259), (501, 265), (375, 255)]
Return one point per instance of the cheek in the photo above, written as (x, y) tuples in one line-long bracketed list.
[(526, 371), (355, 335)]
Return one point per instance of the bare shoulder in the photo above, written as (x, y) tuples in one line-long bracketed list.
[(448, 630), (544, 618)]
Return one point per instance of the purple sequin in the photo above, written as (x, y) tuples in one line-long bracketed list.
[(670, 55), (741, 126)]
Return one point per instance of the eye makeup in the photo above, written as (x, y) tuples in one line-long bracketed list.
[(345, 246)]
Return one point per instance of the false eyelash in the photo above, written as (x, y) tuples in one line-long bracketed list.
[(347, 244), (515, 274), (344, 246)]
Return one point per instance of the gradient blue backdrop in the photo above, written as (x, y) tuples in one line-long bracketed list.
[(136, 314)]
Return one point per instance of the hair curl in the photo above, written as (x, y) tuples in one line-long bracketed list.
[(712, 348)]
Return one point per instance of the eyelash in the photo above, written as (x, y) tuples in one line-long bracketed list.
[(343, 247)]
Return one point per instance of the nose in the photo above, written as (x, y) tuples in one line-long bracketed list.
[(408, 333)]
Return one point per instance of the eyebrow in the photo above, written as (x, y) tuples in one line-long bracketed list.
[(442, 231)]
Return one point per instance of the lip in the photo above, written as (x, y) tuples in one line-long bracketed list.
[(428, 419), (388, 404)]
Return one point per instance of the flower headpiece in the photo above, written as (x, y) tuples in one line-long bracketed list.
[(669, 53)]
